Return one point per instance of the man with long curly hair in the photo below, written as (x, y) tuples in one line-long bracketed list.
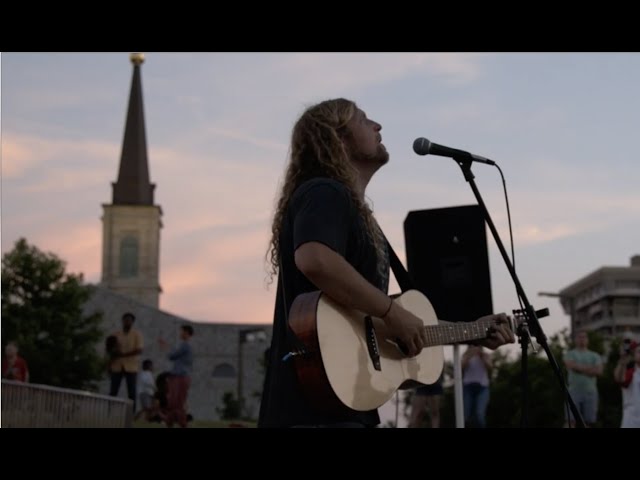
[(325, 237)]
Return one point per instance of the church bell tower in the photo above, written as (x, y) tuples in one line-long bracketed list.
[(131, 223)]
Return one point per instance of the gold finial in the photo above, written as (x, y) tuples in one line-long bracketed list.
[(137, 58)]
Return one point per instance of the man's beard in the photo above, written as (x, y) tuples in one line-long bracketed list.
[(380, 158), (382, 155)]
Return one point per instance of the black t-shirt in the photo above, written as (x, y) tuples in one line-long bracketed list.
[(320, 210)]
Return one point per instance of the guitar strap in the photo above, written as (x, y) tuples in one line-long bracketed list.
[(402, 276)]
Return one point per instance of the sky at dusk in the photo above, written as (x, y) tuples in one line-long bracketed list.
[(562, 126)]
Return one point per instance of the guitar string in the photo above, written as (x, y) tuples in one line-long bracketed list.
[(448, 332)]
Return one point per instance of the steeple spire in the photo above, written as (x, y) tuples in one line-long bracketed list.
[(133, 186)]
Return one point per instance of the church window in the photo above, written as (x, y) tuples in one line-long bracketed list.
[(129, 257)]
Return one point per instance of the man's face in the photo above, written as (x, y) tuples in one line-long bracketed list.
[(582, 340), (127, 322), (10, 351), (365, 141)]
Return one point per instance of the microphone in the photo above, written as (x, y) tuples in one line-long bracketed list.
[(422, 146)]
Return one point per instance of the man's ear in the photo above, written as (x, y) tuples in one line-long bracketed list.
[(345, 136), (343, 133)]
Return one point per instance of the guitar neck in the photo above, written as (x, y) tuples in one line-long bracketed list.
[(448, 332)]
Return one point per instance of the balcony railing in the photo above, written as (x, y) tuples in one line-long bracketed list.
[(27, 405)]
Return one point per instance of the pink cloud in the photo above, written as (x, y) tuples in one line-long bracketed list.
[(16, 156), (264, 143), (244, 246), (242, 305), (220, 279), (22, 153), (192, 274), (78, 244)]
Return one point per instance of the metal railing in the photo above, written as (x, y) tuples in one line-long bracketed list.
[(28, 405)]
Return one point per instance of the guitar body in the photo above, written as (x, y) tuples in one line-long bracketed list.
[(350, 361)]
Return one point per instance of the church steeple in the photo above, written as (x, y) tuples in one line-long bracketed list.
[(131, 223), (133, 186)]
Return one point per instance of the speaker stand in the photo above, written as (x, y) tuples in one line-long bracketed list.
[(457, 386), (531, 326)]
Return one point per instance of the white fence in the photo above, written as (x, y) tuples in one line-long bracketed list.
[(27, 405)]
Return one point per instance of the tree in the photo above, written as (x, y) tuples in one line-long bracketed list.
[(545, 397), (42, 313)]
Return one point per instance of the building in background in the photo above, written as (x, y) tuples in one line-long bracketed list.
[(227, 357), (131, 223), (606, 301)]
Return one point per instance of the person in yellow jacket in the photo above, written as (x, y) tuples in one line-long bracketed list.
[(126, 362)]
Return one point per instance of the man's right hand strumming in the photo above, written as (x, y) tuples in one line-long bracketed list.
[(407, 328)]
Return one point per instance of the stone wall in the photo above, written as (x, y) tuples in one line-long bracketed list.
[(215, 347)]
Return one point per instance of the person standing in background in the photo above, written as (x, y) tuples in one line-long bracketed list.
[(179, 379), (147, 390), (426, 397), (126, 361), (584, 366), (476, 369), (14, 367), (627, 375)]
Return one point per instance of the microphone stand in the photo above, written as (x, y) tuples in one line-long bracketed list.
[(531, 326)]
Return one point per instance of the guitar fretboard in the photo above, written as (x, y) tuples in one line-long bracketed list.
[(449, 332)]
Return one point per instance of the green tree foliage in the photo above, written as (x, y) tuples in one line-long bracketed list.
[(545, 397), (42, 313)]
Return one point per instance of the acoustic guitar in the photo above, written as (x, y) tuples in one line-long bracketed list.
[(347, 358)]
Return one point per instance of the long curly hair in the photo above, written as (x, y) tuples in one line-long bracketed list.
[(318, 149)]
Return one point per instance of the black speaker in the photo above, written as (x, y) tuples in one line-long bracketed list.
[(448, 261)]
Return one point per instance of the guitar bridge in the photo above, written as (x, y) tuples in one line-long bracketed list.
[(372, 343)]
